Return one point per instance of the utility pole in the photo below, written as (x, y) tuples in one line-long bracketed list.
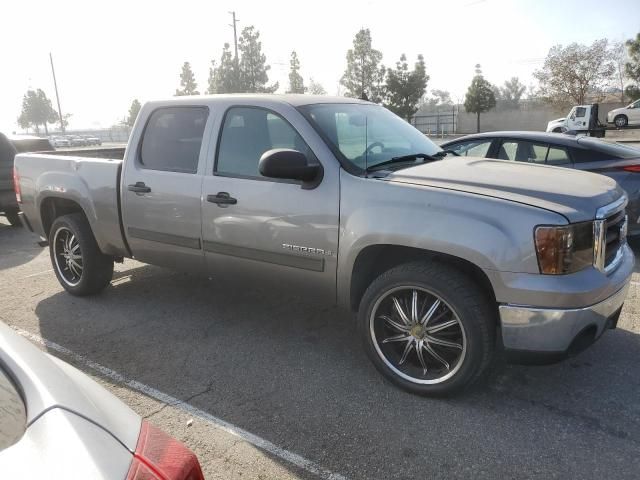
[(235, 42), (55, 85)]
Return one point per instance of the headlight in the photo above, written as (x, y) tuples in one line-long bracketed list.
[(564, 249)]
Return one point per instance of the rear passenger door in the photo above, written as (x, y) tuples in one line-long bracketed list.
[(161, 188)]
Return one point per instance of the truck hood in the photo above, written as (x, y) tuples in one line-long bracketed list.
[(574, 194)]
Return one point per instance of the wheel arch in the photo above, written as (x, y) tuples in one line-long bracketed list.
[(53, 207), (374, 260)]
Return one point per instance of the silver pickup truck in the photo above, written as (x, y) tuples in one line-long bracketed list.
[(445, 260)]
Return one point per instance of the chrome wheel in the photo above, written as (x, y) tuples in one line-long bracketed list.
[(620, 121), (418, 335), (68, 256)]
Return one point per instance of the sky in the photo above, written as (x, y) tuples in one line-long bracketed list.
[(108, 53)]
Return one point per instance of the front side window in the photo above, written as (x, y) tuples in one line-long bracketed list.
[(365, 135), (172, 139), (249, 132), (580, 112), (474, 148)]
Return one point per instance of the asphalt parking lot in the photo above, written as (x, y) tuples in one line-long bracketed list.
[(279, 387)]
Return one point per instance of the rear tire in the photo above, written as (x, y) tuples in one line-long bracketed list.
[(442, 359), (13, 217), (82, 269), (621, 121)]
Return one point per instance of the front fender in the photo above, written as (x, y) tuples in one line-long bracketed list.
[(491, 233)]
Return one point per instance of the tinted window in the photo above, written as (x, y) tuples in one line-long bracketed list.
[(31, 145), (249, 132), (523, 151), (172, 139), (558, 156), (473, 148), (601, 150)]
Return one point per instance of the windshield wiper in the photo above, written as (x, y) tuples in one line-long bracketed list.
[(403, 158)]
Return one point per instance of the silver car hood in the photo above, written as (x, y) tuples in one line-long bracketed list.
[(47, 383), (574, 194)]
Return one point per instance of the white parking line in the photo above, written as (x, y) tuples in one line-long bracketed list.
[(39, 273), (249, 437)]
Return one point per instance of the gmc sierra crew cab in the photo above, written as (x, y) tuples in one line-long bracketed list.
[(445, 262)]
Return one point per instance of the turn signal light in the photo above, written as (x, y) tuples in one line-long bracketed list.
[(564, 249), (16, 185)]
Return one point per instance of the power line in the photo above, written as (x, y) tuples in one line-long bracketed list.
[(235, 39), (55, 85)]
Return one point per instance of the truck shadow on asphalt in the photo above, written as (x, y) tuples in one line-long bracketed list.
[(294, 373), (11, 237)]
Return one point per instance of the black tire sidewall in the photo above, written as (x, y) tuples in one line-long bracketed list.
[(444, 283), (97, 268)]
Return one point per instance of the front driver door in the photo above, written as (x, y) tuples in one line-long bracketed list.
[(266, 230)]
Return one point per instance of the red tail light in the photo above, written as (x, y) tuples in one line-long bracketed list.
[(16, 185), (632, 168), (161, 457)]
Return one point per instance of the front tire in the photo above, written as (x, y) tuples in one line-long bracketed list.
[(621, 121), (13, 217), (428, 328), (82, 269)]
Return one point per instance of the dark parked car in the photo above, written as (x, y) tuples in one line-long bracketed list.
[(618, 161), (9, 146)]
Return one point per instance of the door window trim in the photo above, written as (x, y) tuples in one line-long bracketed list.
[(260, 178), (138, 156)]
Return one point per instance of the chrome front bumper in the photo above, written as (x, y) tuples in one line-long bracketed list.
[(545, 330)]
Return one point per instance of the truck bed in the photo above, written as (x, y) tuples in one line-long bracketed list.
[(89, 178), (111, 153)]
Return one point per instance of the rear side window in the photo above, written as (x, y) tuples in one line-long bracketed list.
[(172, 139), (523, 151), (558, 156), (474, 148), (247, 133)]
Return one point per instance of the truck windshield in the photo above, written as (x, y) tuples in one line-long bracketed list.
[(367, 135)]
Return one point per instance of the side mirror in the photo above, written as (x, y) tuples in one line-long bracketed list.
[(289, 164)]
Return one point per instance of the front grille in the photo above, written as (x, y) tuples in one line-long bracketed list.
[(613, 228)]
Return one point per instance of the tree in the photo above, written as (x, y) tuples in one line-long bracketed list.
[(405, 88), (253, 67), (223, 78), (315, 88), (296, 82), (36, 111), (572, 73), (439, 98), (364, 76), (480, 97), (632, 67), (619, 57), (187, 82), (134, 109), (512, 92)]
